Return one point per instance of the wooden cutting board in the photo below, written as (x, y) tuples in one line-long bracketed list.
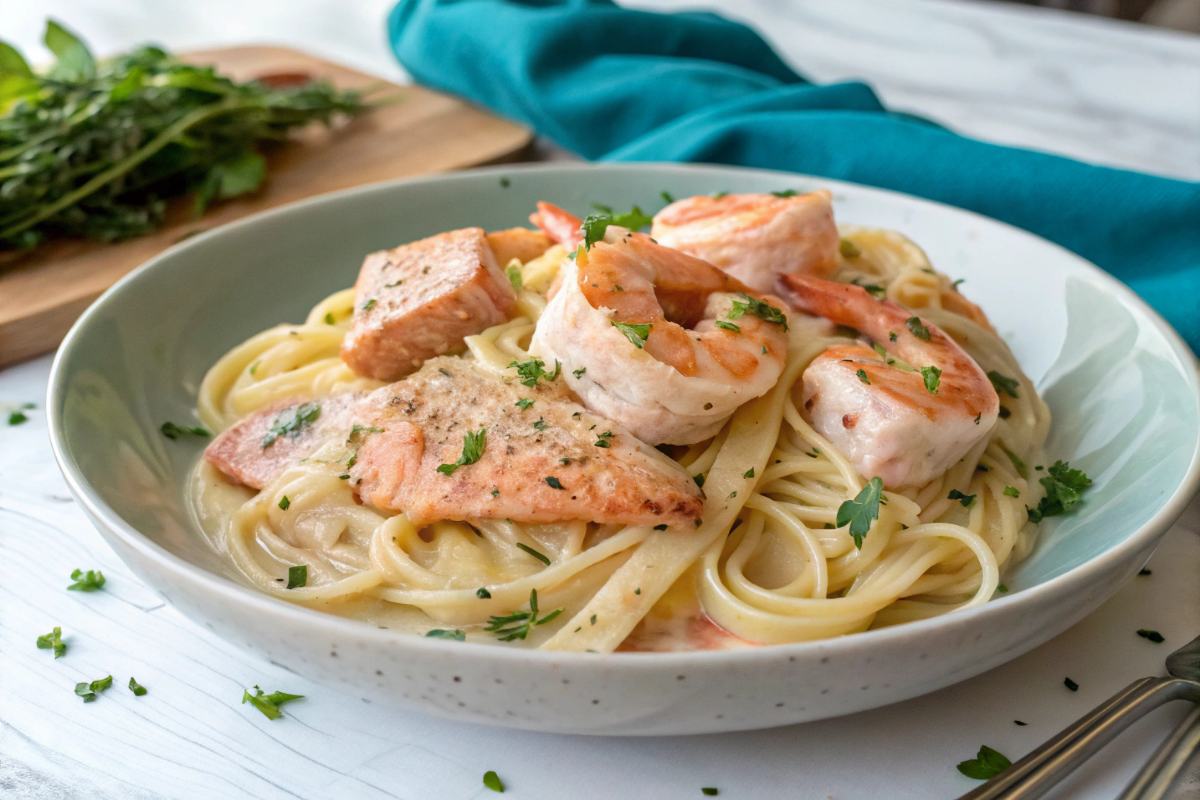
[(44, 290)]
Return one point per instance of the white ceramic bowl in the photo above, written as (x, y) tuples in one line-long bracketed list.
[(1122, 386)]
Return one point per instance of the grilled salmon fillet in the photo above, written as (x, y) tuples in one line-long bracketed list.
[(548, 461), (419, 300)]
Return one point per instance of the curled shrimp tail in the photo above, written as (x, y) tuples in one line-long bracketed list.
[(561, 226)]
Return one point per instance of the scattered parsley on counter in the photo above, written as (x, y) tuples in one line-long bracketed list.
[(297, 576), (492, 781), (533, 369), (441, 633), (473, 446), (88, 691), (269, 704), (1145, 572), (290, 422), (88, 581), (986, 764), (1018, 722), (17, 417), (1153, 636), (860, 512), (1070, 684), (539, 556), (917, 328), (636, 334), (517, 624), (136, 687), (712, 791), (52, 641), (173, 431)]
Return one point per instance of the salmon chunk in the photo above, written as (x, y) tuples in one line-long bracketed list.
[(519, 243), (419, 300), (452, 442)]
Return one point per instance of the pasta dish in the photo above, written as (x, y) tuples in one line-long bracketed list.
[(749, 425)]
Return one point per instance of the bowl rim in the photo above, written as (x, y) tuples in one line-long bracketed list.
[(332, 625)]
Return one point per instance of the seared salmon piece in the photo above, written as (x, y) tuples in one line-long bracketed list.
[(419, 300), (500, 456), (519, 243), (258, 449)]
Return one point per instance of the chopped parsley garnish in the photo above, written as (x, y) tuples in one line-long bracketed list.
[(917, 328), (540, 425), (873, 289), (542, 557), (173, 431), (603, 209), (53, 641), (443, 633), (593, 619), (1002, 383), (297, 576), (1064, 489), (1004, 413), (784, 193), (88, 691), (848, 249), (1002, 588), (88, 581), (505, 183), (517, 624), (1153, 636), (965, 499), (933, 377), (473, 445), (666, 196), (636, 334), (291, 422), (1011, 491), (1070, 684), (564, 460), (727, 326), (860, 512), (524, 403), (595, 225), (514, 277), (699, 479), (1017, 463), (269, 704), (579, 372), (492, 781), (712, 791), (254, 367), (718, 195), (757, 308), (533, 369), (554, 482), (1019, 722), (986, 764), (891, 336), (978, 417), (17, 417), (284, 503), (748, 473), (136, 687), (329, 318), (660, 527), (397, 283), (602, 439), (862, 376), (1145, 571), (367, 306), (483, 594)]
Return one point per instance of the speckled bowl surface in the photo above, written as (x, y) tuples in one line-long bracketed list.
[(1122, 387)]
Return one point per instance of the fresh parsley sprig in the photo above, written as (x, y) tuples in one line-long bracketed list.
[(88, 690), (291, 422), (518, 624), (472, 451), (88, 581), (53, 641), (758, 308), (268, 704), (535, 368), (636, 334), (1064, 489), (863, 510)]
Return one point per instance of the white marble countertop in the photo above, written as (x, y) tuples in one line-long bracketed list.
[(1102, 91)]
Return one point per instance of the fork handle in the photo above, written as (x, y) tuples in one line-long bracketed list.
[(1036, 773), (1159, 774)]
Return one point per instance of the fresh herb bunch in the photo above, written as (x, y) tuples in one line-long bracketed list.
[(91, 149)]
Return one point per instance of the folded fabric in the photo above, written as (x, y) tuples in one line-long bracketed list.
[(614, 83)]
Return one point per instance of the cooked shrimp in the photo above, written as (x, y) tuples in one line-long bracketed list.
[(561, 226), (754, 237), (657, 340), (905, 410)]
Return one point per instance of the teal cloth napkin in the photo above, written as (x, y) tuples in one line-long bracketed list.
[(613, 83)]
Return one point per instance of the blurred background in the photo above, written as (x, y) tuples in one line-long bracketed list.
[(1180, 14)]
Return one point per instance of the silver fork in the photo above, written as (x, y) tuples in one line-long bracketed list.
[(1036, 773)]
